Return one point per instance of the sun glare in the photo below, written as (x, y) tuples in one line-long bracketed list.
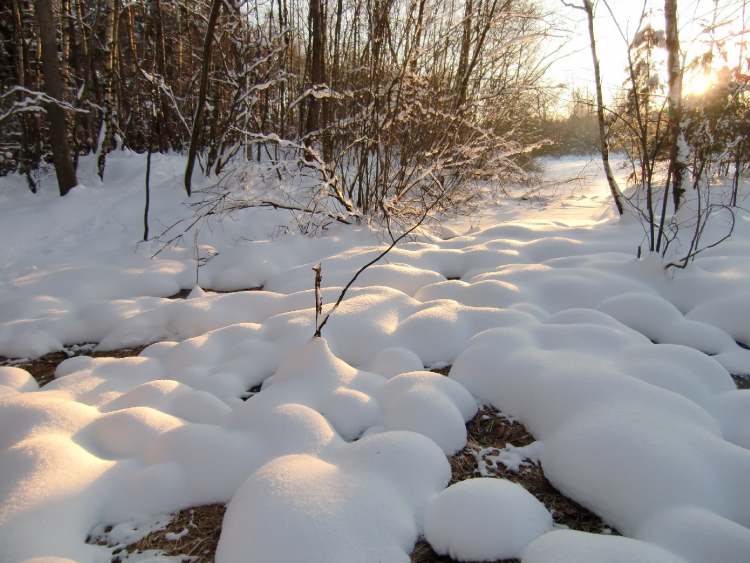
[(696, 84)]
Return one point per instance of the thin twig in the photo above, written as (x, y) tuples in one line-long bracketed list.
[(373, 261)]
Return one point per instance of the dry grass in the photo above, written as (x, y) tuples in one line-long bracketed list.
[(192, 533), (423, 553), (490, 429), (43, 368), (742, 380), (183, 293)]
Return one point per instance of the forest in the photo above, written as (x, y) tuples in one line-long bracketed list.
[(377, 281)]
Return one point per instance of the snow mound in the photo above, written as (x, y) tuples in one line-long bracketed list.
[(580, 388), (391, 361), (484, 520), (696, 534), (729, 312), (341, 442), (361, 502), (430, 404), (733, 412), (569, 546), (662, 322), (135, 443), (16, 379)]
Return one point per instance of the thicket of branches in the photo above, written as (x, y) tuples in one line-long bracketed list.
[(386, 102), (575, 131), (679, 145)]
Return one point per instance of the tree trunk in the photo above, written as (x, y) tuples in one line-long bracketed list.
[(337, 42), (481, 35), (463, 60), (110, 105), (198, 120), (613, 187), (160, 64), (53, 85), (29, 128), (91, 86), (674, 70), (317, 67)]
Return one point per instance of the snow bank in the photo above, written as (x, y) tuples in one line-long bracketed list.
[(16, 379), (541, 268), (580, 388), (618, 368), (135, 443), (568, 546), (358, 503)]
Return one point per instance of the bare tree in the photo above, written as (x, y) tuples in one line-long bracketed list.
[(674, 73), (614, 189), (58, 127), (317, 68), (110, 118), (399, 90), (198, 118)]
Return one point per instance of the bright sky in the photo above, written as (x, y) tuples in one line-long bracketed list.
[(574, 66)]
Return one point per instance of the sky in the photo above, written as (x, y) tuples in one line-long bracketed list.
[(573, 66)]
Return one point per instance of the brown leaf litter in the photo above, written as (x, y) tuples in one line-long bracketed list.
[(192, 533), (43, 368)]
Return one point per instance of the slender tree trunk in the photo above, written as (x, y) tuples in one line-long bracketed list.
[(603, 142), (317, 67), (463, 60), (478, 46), (736, 177), (148, 186), (64, 43), (88, 71), (76, 78), (674, 70), (29, 131), (418, 28), (53, 85), (136, 115), (110, 104), (198, 119), (160, 64), (337, 42)]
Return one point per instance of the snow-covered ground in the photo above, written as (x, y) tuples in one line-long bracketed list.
[(620, 369)]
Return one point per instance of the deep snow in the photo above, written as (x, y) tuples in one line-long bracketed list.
[(619, 369)]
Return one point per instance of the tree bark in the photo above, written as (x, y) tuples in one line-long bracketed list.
[(29, 124), (198, 120), (53, 85), (463, 60), (160, 64), (481, 35), (317, 66), (674, 70), (110, 104)]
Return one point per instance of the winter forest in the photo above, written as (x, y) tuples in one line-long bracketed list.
[(375, 281)]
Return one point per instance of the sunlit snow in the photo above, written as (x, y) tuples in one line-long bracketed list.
[(620, 370)]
